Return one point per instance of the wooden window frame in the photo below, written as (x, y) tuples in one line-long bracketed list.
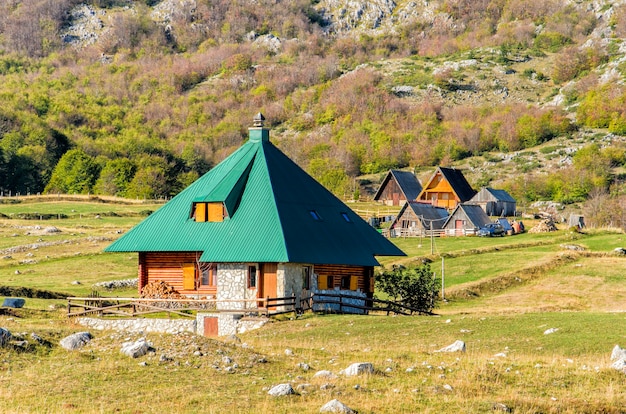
[(252, 276), (306, 277), (211, 273)]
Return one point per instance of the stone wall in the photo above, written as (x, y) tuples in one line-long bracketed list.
[(170, 326), (231, 285)]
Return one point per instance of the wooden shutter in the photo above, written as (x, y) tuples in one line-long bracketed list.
[(354, 282), (189, 276), (200, 212), (322, 282), (216, 212)]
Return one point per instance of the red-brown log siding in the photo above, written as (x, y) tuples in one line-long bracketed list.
[(363, 273), (168, 267)]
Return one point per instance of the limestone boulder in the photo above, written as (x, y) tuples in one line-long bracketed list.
[(457, 346), (136, 349), (5, 337), (336, 406), (281, 390), (359, 368), (76, 341)]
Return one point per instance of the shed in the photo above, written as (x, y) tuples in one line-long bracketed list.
[(495, 202), (465, 219), (415, 219), (398, 187), (446, 188), (255, 226)]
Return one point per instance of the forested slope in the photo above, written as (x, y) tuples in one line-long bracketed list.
[(139, 98)]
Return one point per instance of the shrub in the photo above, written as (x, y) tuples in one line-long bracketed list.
[(414, 287)]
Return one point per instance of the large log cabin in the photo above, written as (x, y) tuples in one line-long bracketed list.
[(255, 226)]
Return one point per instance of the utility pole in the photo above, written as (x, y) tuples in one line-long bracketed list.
[(431, 237)]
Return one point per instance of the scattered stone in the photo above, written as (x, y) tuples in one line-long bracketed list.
[(573, 247), (336, 406), (448, 387), (324, 374), (117, 284), (76, 282), (304, 366), (302, 387), (227, 360), (143, 364), (165, 358), (388, 369), (288, 352), (550, 331), (359, 368), (326, 386), (13, 303), (620, 251), (500, 354), (5, 336), (619, 356), (618, 353), (501, 407), (457, 346), (136, 349), (17, 272), (410, 369), (281, 390), (76, 341)]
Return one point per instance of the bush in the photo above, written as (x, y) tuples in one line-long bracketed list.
[(416, 287)]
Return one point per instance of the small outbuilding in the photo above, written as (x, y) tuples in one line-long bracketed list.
[(416, 219), (446, 188), (465, 219), (495, 202), (398, 187)]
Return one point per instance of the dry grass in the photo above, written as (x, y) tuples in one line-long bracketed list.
[(509, 361)]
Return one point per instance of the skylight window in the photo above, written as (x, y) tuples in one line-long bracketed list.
[(315, 215), (346, 217)]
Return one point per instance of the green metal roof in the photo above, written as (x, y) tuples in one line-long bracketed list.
[(276, 213)]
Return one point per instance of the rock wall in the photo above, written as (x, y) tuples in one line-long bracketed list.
[(231, 285), (170, 326)]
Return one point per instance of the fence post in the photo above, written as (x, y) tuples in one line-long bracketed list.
[(340, 303)]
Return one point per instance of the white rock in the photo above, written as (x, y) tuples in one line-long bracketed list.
[(619, 365), (75, 341), (618, 353), (324, 374), (136, 349), (359, 368), (336, 406), (550, 331), (281, 390), (457, 346)]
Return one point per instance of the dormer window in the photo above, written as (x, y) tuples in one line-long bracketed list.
[(212, 212)]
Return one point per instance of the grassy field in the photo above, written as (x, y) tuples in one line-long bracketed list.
[(503, 294)]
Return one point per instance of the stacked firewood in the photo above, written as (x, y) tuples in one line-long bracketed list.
[(160, 290), (544, 226)]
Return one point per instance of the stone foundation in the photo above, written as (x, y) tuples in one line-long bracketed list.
[(170, 326)]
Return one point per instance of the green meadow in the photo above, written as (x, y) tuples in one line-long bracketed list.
[(501, 296)]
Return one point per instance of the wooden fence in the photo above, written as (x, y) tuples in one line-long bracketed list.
[(133, 307), (187, 308)]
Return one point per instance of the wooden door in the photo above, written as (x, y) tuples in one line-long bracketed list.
[(210, 326), (267, 282), (458, 226), (396, 199)]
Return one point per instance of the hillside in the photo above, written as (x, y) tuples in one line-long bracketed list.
[(139, 98)]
